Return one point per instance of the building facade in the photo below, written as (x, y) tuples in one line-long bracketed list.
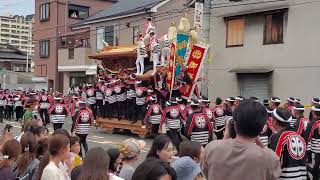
[(52, 20), (264, 49), (120, 24)]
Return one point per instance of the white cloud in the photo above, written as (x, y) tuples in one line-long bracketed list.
[(19, 7)]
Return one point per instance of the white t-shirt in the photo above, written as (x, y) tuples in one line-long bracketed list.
[(114, 177), (52, 172)]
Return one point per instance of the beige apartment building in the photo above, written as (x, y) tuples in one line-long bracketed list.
[(17, 31)]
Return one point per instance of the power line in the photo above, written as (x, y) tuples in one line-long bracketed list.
[(263, 2), (52, 39), (55, 27), (109, 8)]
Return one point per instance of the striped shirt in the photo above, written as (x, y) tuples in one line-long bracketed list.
[(142, 51), (131, 94), (3, 102), (155, 119), (83, 128), (265, 140), (111, 99), (18, 103), (294, 173), (292, 122), (200, 137), (99, 95), (173, 123), (221, 121), (167, 43), (156, 49), (140, 101), (121, 97), (58, 118)]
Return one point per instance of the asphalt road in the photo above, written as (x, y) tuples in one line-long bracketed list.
[(96, 138)]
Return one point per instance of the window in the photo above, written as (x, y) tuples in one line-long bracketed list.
[(15, 42), (71, 52), (44, 12), (135, 34), (44, 48), (105, 35), (109, 35), (273, 32), (5, 25), (78, 12), (235, 32)]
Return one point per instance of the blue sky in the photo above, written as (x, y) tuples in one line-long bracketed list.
[(19, 7)]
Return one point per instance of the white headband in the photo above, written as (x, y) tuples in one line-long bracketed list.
[(228, 99), (299, 109), (239, 98), (315, 102), (315, 109), (291, 100), (268, 111), (276, 115), (297, 100), (276, 100)]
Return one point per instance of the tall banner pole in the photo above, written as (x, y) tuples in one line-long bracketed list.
[(195, 62), (171, 68)]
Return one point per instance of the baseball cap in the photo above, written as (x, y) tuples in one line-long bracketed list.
[(131, 147)]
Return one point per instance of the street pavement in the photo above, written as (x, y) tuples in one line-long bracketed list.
[(97, 137)]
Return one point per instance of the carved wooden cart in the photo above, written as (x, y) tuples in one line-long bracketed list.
[(114, 59)]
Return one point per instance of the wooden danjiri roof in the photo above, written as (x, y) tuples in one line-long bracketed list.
[(114, 52)]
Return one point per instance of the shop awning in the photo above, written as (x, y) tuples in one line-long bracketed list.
[(115, 52)]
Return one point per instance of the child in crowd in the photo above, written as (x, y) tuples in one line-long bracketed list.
[(74, 151)]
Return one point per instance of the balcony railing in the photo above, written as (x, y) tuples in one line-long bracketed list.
[(74, 41)]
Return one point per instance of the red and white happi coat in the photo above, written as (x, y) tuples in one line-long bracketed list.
[(154, 114), (83, 122), (44, 102), (200, 129), (59, 112)]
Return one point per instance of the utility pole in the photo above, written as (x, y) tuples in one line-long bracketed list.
[(29, 43), (27, 65), (4, 78), (205, 34)]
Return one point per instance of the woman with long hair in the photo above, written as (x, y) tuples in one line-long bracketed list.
[(154, 169), (10, 151), (187, 166), (45, 159), (115, 160), (162, 148), (95, 166), (59, 149), (27, 163), (42, 148), (44, 154)]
